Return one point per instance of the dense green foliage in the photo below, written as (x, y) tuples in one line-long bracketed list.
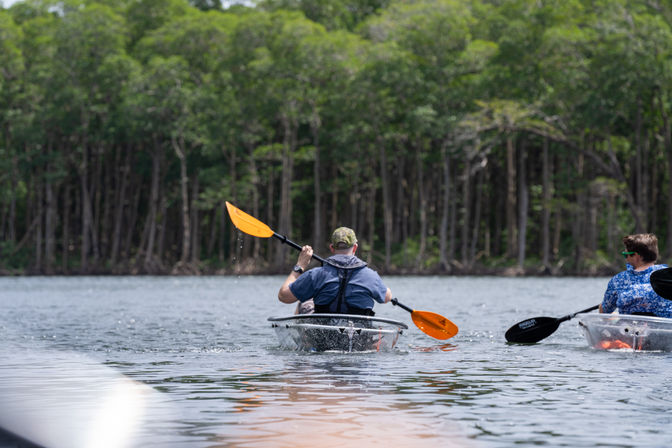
[(453, 135)]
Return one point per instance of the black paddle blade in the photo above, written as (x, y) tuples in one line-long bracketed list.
[(532, 330), (661, 282)]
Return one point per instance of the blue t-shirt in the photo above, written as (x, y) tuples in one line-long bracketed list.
[(631, 292), (321, 284)]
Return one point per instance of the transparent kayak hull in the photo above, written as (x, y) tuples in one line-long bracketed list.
[(626, 332), (337, 332)]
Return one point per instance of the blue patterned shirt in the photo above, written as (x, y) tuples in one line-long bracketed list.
[(631, 292)]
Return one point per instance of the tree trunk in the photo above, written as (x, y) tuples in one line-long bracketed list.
[(29, 220), (387, 204), (49, 220), (511, 235), (273, 249), (195, 218), (546, 209), (476, 227), (422, 199), (578, 217), (354, 199), (400, 200), (452, 230), (254, 178), (524, 199), (66, 227), (49, 228), (163, 227), (86, 210), (11, 228), (234, 253), (120, 202), (489, 209), (591, 233), (557, 231), (132, 218), (334, 201), (96, 199), (371, 218), (153, 206), (466, 211), (39, 216), (287, 176), (651, 179), (318, 238), (212, 239), (638, 171), (221, 248), (109, 194), (3, 218), (405, 217), (445, 208), (612, 227), (498, 247), (178, 146)]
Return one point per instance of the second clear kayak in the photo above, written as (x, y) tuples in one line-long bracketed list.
[(627, 332)]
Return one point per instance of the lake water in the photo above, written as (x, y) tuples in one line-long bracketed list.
[(193, 362)]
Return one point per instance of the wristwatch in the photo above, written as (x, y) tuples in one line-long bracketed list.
[(298, 269)]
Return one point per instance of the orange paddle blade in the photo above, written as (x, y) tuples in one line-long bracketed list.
[(248, 224), (434, 324)]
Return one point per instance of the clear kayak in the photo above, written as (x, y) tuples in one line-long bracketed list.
[(337, 332), (626, 332)]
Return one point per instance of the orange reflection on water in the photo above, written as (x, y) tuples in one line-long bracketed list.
[(333, 404), (247, 403), (435, 348)]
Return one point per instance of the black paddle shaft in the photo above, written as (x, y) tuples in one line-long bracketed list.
[(401, 305), (569, 316), (291, 243)]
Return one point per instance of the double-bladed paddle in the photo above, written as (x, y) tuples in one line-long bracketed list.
[(538, 328), (430, 323)]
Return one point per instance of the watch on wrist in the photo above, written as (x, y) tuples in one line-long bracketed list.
[(298, 269)]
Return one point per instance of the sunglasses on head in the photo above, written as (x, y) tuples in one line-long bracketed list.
[(626, 254)]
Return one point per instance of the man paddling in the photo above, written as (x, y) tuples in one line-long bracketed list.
[(344, 285)]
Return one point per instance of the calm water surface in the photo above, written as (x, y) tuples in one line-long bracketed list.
[(192, 362)]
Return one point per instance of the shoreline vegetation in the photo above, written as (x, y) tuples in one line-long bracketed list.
[(456, 137), (251, 268)]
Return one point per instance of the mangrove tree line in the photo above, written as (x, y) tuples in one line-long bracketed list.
[(455, 136)]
